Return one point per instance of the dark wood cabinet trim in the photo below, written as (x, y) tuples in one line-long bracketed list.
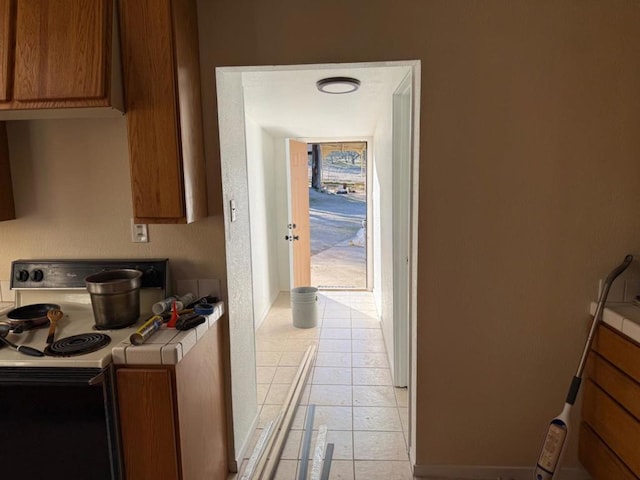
[(7, 207), (7, 46)]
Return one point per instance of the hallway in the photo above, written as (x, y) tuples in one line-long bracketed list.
[(350, 385)]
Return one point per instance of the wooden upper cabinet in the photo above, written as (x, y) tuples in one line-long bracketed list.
[(6, 47), (59, 58), (62, 49), (161, 75)]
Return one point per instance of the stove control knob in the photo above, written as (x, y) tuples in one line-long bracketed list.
[(22, 275), (37, 275), (151, 277)]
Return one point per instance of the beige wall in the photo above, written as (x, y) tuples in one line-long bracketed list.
[(529, 186), (73, 200)]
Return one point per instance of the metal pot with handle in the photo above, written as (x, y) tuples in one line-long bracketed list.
[(115, 297)]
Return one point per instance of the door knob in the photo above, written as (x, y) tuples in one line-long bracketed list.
[(291, 238)]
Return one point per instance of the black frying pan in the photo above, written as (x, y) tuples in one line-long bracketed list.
[(30, 316)]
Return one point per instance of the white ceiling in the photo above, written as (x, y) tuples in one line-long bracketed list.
[(286, 102)]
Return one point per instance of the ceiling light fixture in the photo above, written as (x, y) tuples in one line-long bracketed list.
[(338, 85)]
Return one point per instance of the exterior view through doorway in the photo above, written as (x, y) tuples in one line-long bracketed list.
[(338, 215)]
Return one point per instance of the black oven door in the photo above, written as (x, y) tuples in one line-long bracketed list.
[(58, 423)]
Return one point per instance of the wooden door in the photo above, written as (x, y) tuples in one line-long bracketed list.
[(6, 48), (62, 49), (299, 214)]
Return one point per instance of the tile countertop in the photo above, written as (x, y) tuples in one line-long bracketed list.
[(624, 317), (167, 346)]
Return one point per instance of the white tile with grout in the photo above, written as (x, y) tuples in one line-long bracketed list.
[(350, 385)]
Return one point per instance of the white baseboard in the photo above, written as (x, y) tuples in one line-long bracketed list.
[(242, 451), (474, 472)]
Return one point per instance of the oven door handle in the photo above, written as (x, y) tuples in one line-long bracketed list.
[(97, 380)]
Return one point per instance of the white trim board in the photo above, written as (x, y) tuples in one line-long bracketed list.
[(243, 450)]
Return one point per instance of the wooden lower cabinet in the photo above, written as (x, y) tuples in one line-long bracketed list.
[(148, 423), (610, 431), (173, 418), (598, 459)]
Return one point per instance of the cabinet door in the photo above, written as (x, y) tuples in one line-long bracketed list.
[(6, 48), (147, 423), (62, 49), (149, 85), (598, 459), (160, 64), (617, 428)]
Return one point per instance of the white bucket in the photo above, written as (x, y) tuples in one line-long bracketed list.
[(304, 307)]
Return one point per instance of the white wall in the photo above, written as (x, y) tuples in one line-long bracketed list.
[(375, 226), (237, 236), (383, 222), (282, 214), (263, 207)]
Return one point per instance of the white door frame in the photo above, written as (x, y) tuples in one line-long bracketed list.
[(401, 229), (368, 217)]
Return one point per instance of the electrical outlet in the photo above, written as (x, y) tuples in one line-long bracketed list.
[(139, 232)]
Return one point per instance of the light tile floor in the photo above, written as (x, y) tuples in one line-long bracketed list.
[(350, 385)]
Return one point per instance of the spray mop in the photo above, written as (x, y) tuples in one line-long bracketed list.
[(558, 431)]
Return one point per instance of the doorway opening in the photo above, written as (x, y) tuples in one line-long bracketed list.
[(259, 110), (338, 215)]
